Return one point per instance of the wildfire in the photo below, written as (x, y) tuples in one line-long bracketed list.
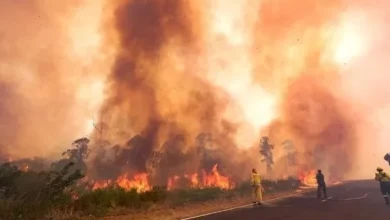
[(215, 179), (100, 184), (308, 178), (193, 179), (140, 182), (206, 180)]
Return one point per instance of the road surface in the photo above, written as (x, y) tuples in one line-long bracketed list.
[(357, 200)]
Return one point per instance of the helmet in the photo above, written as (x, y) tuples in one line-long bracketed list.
[(379, 169)]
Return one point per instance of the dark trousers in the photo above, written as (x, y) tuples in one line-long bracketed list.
[(321, 187), (385, 190)]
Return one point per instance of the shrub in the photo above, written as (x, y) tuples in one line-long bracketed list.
[(34, 195), (31, 195)]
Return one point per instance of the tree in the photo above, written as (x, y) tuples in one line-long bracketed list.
[(266, 152), (77, 154), (79, 151), (8, 174)]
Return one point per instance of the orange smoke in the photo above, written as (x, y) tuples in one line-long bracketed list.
[(49, 74), (298, 55), (194, 77)]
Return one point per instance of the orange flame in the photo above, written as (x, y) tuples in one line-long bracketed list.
[(193, 179), (215, 179), (308, 178), (140, 182), (100, 184)]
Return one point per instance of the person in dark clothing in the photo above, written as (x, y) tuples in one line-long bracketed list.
[(321, 184)]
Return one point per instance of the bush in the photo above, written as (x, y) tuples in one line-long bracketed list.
[(33, 195), (98, 202)]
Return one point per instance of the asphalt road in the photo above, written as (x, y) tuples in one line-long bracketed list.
[(357, 200)]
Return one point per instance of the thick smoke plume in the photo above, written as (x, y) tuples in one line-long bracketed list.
[(294, 58), (174, 87), (159, 107)]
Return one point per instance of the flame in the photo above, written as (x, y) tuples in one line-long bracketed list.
[(308, 178), (215, 179), (100, 184), (193, 179), (140, 182)]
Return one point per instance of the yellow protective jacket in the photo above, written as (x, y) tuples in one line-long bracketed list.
[(255, 179), (382, 177)]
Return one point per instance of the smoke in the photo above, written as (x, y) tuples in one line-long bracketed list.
[(160, 104), (43, 73), (294, 58), (175, 87), (325, 70)]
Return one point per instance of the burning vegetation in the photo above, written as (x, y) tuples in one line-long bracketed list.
[(183, 94), (179, 109), (141, 182)]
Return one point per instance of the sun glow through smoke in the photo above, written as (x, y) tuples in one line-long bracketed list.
[(350, 43)]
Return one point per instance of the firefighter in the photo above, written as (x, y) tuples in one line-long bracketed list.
[(257, 188), (384, 181), (321, 184)]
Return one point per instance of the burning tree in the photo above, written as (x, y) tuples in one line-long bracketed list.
[(266, 152)]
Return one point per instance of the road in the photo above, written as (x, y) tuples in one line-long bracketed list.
[(357, 200)]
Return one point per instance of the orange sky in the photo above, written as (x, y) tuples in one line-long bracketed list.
[(312, 71)]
